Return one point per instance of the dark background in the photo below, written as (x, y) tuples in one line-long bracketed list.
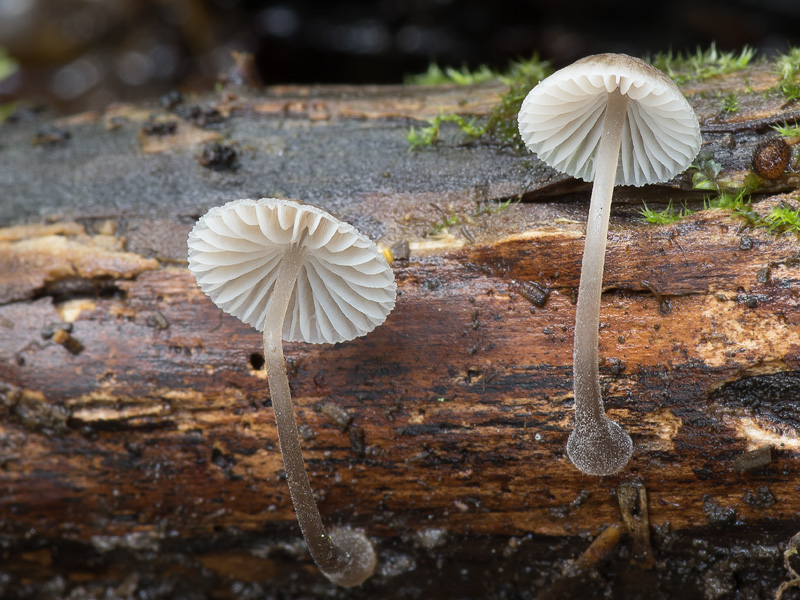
[(82, 54)]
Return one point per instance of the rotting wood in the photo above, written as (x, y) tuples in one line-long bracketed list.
[(598, 552), (152, 439), (788, 555)]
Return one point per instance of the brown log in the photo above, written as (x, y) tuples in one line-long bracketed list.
[(138, 446)]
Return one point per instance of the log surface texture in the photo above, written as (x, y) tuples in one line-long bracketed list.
[(138, 453)]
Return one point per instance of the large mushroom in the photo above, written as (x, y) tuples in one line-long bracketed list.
[(296, 273), (615, 120)]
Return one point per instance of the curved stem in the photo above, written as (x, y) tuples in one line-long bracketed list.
[(335, 561), (588, 400), (597, 445)]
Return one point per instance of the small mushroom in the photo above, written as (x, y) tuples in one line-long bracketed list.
[(615, 120), (296, 273)]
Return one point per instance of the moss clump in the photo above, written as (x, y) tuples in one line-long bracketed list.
[(481, 210), (788, 68), (664, 217), (702, 64), (500, 125), (787, 130), (784, 218), (435, 75), (730, 103), (8, 67)]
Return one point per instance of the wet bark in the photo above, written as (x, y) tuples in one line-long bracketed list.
[(137, 443)]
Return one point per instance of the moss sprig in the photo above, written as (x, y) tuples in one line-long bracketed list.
[(730, 103), (664, 217), (787, 130)]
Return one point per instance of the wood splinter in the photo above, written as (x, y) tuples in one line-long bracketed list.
[(754, 459), (633, 505)]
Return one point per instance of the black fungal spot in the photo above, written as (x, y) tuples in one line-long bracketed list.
[(256, 361), (200, 115), (224, 461), (160, 129), (762, 498), (171, 99), (218, 157), (432, 284), (718, 515), (51, 135)]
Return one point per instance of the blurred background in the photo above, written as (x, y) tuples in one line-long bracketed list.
[(74, 55)]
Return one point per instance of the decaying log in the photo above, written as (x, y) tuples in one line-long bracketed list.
[(137, 444)]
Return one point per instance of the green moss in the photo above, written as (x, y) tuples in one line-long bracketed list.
[(730, 103), (707, 173), (787, 130), (438, 228), (736, 201), (702, 64), (495, 206), (784, 218), (483, 208), (435, 75), (666, 216), (788, 68), (727, 197), (8, 67), (781, 219), (500, 125), (426, 136)]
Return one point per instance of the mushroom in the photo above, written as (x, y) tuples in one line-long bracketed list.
[(615, 120), (296, 273)]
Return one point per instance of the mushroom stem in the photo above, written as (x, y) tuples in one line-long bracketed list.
[(597, 445), (346, 557)]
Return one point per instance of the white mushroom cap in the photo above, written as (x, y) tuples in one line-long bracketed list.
[(561, 120), (344, 289)]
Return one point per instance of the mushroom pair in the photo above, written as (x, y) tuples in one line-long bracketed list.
[(296, 273), (615, 120)]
